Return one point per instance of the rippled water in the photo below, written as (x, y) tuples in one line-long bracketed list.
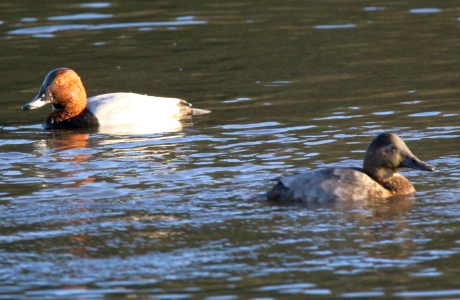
[(167, 215)]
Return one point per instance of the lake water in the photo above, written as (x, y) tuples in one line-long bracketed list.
[(292, 85)]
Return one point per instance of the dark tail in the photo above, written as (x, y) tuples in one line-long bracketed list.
[(195, 111)]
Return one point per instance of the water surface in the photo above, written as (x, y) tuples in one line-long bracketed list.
[(167, 215)]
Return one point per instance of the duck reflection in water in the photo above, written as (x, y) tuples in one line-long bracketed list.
[(378, 178), (62, 140), (64, 146)]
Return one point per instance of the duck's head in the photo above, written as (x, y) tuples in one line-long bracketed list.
[(63, 89), (387, 153)]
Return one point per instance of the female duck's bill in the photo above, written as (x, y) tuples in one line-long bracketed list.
[(379, 177), (64, 89)]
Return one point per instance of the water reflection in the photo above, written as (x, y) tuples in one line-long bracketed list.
[(166, 125), (335, 26), (39, 30), (374, 8), (96, 5), (425, 10), (83, 16), (62, 140)]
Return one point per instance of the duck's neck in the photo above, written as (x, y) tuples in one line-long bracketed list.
[(62, 115), (72, 109), (391, 180)]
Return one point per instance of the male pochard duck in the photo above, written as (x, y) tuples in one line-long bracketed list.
[(379, 177), (64, 89)]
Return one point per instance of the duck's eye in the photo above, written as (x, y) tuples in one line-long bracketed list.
[(392, 148), (60, 81)]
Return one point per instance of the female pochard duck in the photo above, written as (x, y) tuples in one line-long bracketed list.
[(64, 89), (379, 177)]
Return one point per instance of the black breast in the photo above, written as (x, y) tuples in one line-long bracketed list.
[(84, 120)]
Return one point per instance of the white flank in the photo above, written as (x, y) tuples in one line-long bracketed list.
[(118, 109)]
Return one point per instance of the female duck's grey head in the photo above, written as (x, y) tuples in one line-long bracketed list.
[(388, 151)]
